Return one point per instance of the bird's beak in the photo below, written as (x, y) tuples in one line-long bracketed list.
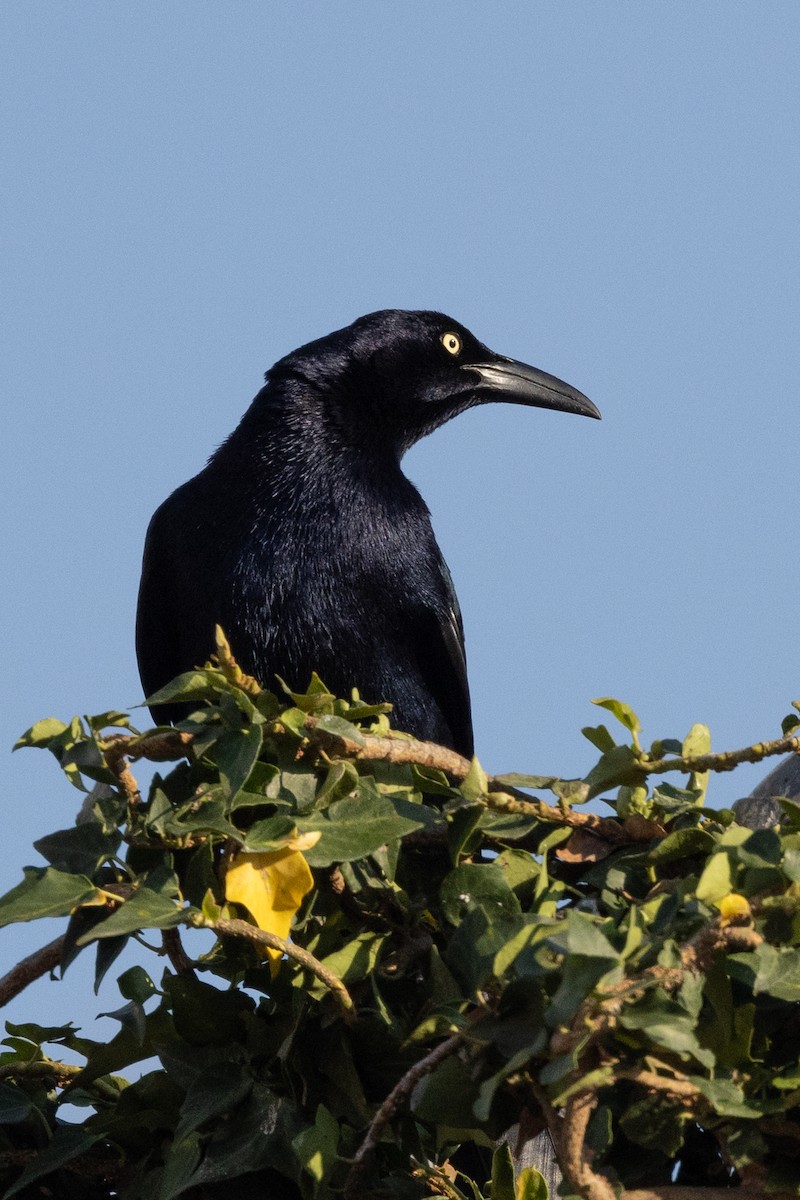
[(517, 383)]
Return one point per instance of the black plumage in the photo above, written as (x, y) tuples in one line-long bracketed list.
[(305, 541)]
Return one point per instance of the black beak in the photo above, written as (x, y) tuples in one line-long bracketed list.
[(517, 383)]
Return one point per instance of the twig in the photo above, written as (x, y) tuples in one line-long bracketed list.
[(62, 1073), (599, 1013), (388, 1110), (161, 746), (607, 828), (429, 754), (389, 749), (243, 929), (172, 946), (726, 760), (698, 953), (683, 1089), (30, 969)]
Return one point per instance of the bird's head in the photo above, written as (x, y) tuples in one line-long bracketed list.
[(393, 376)]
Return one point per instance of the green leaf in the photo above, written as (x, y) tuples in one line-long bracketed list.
[(476, 783), (203, 1014), (15, 1105), (341, 780), (135, 984), (655, 1122), (181, 1163), (240, 1147), (79, 850), (532, 782), (777, 972), (146, 909), (354, 827), (270, 834), (789, 724), (192, 685), (215, 1092), (355, 961), (68, 1142), (729, 1100), (716, 880), (44, 892), (683, 843), (41, 734), (599, 736), (617, 766), (503, 1186), (477, 885), (235, 753), (696, 742), (317, 1145), (340, 728), (666, 1024), (623, 712), (531, 1185)]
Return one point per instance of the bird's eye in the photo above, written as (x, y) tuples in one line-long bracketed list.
[(451, 343)]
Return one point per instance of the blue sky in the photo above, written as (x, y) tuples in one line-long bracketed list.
[(607, 190)]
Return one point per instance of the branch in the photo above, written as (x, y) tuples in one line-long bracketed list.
[(726, 760), (30, 969), (576, 1160), (389, 749), (388, 1110), (680, 1088), (440, 758), (607, 828), (164, 745), (62, 1073), (172, 946), (262, 937), (599, 1013)]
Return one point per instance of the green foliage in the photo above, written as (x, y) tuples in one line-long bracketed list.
[(504, 957)]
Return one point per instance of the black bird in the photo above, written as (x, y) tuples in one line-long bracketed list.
[(305, 541)]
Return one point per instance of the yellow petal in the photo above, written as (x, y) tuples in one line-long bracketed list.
[(271, 885), (733, 907)]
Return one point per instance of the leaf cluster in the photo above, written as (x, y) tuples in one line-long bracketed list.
[(468, 955)]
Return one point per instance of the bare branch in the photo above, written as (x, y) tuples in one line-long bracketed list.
[(30, 969), (390, 1107), (389, 749), (576, 1156), (726, 760), (42, 1068), (172, 946)]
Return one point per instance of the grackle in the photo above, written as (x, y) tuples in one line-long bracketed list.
[(305, 541)]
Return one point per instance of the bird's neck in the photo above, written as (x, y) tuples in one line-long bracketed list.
[(302, 447)]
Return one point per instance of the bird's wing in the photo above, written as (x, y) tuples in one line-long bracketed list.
[(445, 667), (175, 616)]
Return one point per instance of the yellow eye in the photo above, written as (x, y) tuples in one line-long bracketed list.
[(451, 343)]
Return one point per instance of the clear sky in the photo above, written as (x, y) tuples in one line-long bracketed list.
[(605, 188)]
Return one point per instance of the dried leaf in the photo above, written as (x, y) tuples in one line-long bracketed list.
[(271, 885)]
